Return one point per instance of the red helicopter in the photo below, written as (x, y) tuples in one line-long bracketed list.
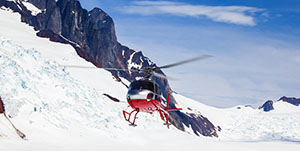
[(144, 95)]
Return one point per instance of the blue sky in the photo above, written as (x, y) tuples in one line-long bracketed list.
[(255, 44)]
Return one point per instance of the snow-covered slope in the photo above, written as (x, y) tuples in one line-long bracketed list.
[(39, 92), (244, 123), (63, 109)]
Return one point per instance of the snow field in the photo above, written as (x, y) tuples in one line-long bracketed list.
[(242, 123), (62, 108), (39, 92)]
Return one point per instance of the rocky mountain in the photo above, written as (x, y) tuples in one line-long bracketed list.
[(291, 100), (92, 34), (267, 106)]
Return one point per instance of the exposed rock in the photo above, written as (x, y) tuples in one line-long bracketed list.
[(112, 98), (198, 123), (291, 100), (54, 22), (2, 109), (247, 105), (47, 33), (267, 106)]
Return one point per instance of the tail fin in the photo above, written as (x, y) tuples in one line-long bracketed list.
[(173, 109)]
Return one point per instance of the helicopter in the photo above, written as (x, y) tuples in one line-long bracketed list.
[(144, 95)]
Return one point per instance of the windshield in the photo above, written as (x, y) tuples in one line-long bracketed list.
[(138, 85)]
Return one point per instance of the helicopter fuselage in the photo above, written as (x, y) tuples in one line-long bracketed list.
[(145, 96), (144, 101)]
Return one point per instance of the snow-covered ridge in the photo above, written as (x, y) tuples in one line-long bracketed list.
[(34, 10)]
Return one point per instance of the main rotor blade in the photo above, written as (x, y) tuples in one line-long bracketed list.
[(163, 76), (85, 67), (186, 61), (159, 75), (74, 66)]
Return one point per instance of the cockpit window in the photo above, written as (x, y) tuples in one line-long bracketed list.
[(138, 85)]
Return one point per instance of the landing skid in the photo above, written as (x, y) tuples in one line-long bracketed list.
[(168, 124), (163, 112), (165, 117), (132, 123)]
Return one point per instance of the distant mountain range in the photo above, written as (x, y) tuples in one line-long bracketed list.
[(268, 105)]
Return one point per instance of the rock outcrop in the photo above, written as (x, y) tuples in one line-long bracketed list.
[(267, 106)]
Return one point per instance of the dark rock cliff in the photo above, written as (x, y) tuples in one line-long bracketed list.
[(92, 34)]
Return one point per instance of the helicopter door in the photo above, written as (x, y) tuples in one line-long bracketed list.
[(157, 92)]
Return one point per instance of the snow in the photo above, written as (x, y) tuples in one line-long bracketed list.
[(61, 108), (53, 101), (242, 123), (132, 64), (123, 51), (34, 10), (6, 130), (5, 9), (284, 107)]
